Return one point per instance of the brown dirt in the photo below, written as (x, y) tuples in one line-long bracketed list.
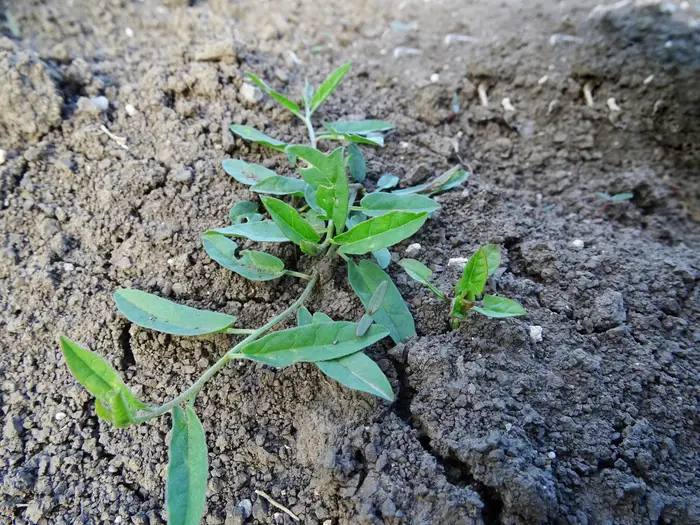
[(597, 423)]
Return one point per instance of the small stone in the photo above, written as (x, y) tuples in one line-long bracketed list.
[(60, 415), (182, 175), (246, 507), (536, 334), (3, 156), (101, 103), (124, 263), (507, 105), (130, 110), (608, 310), (551, 455), (413, 249), (251, 93), (460, 262), (129, 32), (434, 78), (281, 75), (577, 244)]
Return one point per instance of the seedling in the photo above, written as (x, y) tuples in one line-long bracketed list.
[(328, 225), (612, 199), (482, 265)]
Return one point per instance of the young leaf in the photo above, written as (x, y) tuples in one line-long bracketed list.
[(309, 248), (376, 204), (622, 197), (373, 139), (155, 313), (279, 185), (604, 196), (364, 324), (260, 231), (359, 372), (417, 271), (499, 307), (244, 211), (383, 257), (341, 190), (318, 173), (284, 101), (358, 127), (303, 316), (493, 257), (387, 181), (358, 166), (444, 182), (187, 469), (308, 93), (393, 314), (310, 195), (245, 172), (377, 299), (253, 135), (328, 86), (256, 266), (474, 275), (290, 222), (320, 318), (380, 232), (311, 343)]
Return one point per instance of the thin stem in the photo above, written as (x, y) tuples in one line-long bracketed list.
[(233, 353), (304, 276), (309, 127), (239, 331)]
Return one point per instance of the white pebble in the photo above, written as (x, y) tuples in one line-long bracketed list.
[(406, 52), (551, 455), (460, 262), (129, 32), (68, 267), (3, 156), (543, 80), (101, 103), (60, 415), (577, 244), (251, 93), (648, 80), (507, 106), (434, 78), (509, 426), (536, 334), (684, 5), (130, 110), (612, 105), (413, 249)]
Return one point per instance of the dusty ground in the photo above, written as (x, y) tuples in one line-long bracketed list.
[(598, 423)]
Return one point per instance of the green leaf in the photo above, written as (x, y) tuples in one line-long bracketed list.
[(244, 211), (383, 257), (256, 266), (260, 231), (376, 204), (309, 248), (279, 185), (377, 299), (103, 382), (341, 190), (314, 219), (245, 172), (387, 181), (444, 182), (156, 313), (320, 317), (474, 275), (605, 196), (303, 316), (358, 166), (499, 307), (253, 135), (622, 197), (308, 93), (319, 171), (393, 314), (290, 222), (284, 101), (380, 232), (187, 469), (493, 257), (417, 271), (364, 324), (328, 86), (372, 140), (359, 372), (311, 343), (310, 195), (358, 127)]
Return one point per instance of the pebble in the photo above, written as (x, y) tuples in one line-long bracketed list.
[(129, 32), (612, 105), (3, 156), (551, 455), (460, 262), (507, 106), (536, 334), (434, 78), (130, 110), (251, 93), (577, 244), (60, 415), (246, 507), (183, 175), (101, 103), (413, 249), (406, 52)]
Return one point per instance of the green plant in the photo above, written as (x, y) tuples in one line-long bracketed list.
[(327, 225), (482, 265)]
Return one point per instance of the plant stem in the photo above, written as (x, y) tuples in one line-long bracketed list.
[(304, 276), (309, 127), (239, 331), (233, 353)]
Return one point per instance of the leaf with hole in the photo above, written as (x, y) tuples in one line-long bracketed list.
[(155, 313), (499, 307), (376, 204), (493, 257), (393, 314), (380, 232), (187, 469), (358, 127), (359, 372), (358, 166), (387, 181), (260, 231), (253, 265), (279, 185), (290, 222), (253, 135), (284, 101), (246, 173), (328, 86), (311, 343), (474, 276), (244, 211)]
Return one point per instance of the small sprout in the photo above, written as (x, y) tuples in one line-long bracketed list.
[(375, 303), (455, 103), (387, 181), (619, 197)]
